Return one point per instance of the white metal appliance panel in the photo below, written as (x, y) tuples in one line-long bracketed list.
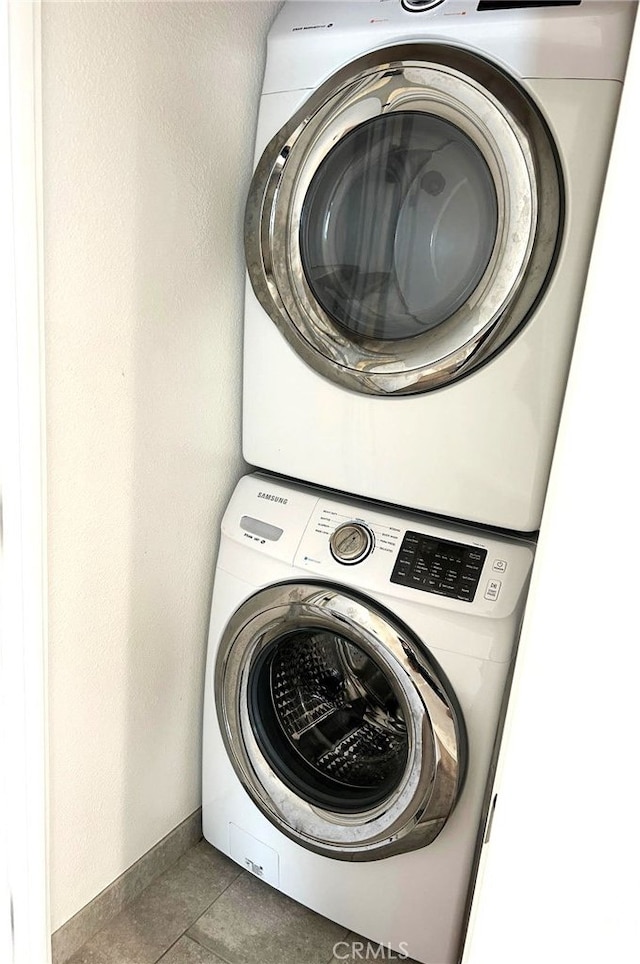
[(429, 886), (309, 41), (480, 449)]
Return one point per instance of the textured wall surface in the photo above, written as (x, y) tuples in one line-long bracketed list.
[(149, 111)]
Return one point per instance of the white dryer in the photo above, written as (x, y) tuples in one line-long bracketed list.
[(357, 671), (417, 236)]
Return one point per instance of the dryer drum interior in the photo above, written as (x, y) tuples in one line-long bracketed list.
[(339, 725), (403, 224), (424, 177)]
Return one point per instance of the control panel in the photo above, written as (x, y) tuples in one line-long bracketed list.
[(436, 565), (402, 555)]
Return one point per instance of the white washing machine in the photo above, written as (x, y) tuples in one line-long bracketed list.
[(417, 236), (357, 672)]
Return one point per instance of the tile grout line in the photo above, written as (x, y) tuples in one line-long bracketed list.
[(333, 956), (196, 919), (226, 960), (195, 939), (166, 951), (197, 943), (215, 899), (71, 936), (192, 921)]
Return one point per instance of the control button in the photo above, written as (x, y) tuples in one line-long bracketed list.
[(499, 565), (476, 555), (407, 557), (351, 543), (493, 589)]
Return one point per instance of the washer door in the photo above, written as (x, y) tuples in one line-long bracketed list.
[(338, 723), (400, 228)]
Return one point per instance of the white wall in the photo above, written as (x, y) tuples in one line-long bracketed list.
[(560, 880), (24, 920), (149, 112)]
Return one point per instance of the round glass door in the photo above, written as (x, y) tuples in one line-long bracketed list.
[(398, 225), (328, 720), (338, 723), (402, 226)]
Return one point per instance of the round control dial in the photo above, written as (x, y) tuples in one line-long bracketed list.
[(351, 542), (417, 6)]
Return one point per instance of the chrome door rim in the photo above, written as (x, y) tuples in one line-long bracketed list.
[(501, 120), (416, 810)]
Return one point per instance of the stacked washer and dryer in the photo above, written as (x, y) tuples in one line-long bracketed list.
[(418, 232)]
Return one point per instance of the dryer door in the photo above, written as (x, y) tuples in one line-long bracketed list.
[(400, 228), (338, 723)]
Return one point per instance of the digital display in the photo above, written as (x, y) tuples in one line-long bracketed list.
[(436, 565)]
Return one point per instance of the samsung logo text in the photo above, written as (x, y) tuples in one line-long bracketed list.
[(272, 498)]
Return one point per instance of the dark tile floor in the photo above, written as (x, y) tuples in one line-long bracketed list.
[(206, 910)]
